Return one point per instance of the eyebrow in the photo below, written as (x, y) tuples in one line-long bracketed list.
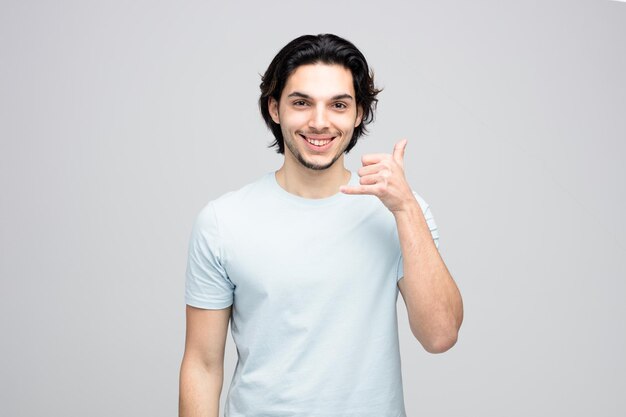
[(337, 97)]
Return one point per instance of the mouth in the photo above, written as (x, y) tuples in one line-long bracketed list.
[(318, 142)]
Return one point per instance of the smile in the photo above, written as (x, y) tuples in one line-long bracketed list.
[(318, 142)]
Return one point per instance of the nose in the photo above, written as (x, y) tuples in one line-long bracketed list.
[(319, 118)]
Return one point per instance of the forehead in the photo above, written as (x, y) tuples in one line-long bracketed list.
[(320, 81)]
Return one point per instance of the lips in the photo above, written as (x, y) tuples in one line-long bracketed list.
[(317, 137), (318, 142)]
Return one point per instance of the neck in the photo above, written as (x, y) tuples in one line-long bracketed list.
[(310, 183)]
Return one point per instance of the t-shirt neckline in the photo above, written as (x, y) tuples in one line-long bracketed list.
[(271, 178)]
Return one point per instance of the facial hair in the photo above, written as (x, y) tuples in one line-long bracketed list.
[(317, 167)]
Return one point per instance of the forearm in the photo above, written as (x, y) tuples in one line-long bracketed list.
[(200, 389), (433, 300)]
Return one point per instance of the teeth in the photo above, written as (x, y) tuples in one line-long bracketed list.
[(318, 142)]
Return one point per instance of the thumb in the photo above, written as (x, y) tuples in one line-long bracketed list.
[(398, 152)]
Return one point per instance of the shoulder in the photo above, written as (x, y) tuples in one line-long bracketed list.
[(234, 201)]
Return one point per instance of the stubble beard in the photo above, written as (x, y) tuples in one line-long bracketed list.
[(308, 164)]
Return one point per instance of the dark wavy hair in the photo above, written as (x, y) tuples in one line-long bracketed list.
[(325, 49)]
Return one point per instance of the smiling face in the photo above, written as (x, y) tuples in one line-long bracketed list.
[(317, 114)]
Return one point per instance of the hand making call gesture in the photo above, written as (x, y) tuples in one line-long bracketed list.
[(382, 175)]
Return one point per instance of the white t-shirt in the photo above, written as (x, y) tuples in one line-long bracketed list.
[(313, 284)]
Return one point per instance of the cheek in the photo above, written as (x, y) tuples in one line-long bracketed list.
[(294, 120), (346, 122)]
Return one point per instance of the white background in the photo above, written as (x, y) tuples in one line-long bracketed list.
[(120, 120)]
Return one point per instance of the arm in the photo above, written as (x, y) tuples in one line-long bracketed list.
[(432, 298), (433, 301), (202, 368)]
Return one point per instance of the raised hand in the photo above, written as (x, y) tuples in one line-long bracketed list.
[(382, 175)]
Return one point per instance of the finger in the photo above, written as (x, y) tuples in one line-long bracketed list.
[(374, 158), (356, 189), (398, 152), (369, 179), (370, 169)]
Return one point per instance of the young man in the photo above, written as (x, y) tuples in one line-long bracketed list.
[(309, 259)]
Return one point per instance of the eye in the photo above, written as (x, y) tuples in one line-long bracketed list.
[(299, 103), (340, 105)]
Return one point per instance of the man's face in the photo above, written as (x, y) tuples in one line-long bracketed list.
[(317, 114)]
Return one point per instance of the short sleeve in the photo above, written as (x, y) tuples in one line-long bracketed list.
[(206, 282), (430, 221)]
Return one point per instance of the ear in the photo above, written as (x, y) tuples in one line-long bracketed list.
[(272, 106), (359, 115)]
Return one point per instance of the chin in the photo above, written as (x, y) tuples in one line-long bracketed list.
[(318, 164)]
